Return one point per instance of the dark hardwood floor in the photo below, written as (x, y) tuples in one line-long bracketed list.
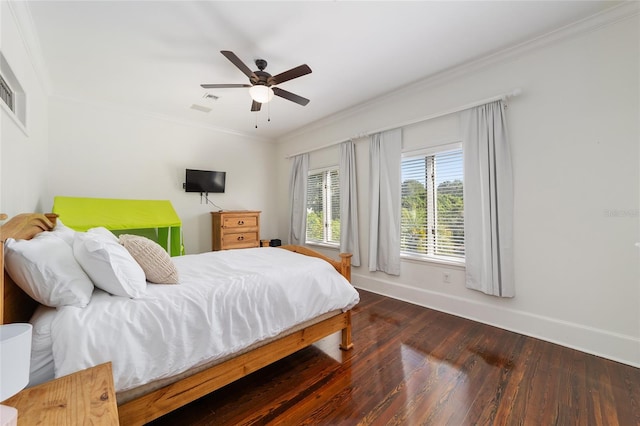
[(414, 366)]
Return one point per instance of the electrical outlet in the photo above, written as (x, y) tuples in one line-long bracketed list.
[(446, 277)]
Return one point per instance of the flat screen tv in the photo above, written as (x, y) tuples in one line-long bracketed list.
[(204, 181)]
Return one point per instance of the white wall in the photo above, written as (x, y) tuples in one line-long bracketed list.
[(107, 152), (575, 148), (23, 149)]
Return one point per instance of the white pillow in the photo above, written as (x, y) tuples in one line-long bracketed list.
[(109, 265), (45, 268), (103, 232), (64, 232), (152, 258)]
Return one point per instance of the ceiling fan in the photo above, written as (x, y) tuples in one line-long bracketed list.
[(262, 87)]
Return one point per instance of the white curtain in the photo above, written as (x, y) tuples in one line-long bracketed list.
[(349, 202), (488, 201), (385, 150), (298, 199)]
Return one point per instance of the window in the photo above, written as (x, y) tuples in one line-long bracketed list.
[(323, 206), (432, 223), (6, 94)]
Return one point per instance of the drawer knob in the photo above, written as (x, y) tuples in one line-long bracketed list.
[(241, 237), (241, 222)]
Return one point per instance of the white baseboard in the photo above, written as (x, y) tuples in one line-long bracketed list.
[(602, 343)]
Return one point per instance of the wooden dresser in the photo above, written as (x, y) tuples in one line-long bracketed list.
[(235, 229)]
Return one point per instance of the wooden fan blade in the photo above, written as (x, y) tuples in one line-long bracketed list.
[(223, 86), (290, 96), (239, 64), (255, 106), (291, 74)]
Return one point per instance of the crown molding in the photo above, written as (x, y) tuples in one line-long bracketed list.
[(625, 10), (21, 15)]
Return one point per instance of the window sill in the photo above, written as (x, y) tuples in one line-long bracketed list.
[(323, 245), (440, 261)]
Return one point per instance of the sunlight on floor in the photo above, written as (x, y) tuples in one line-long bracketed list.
[(423, 373)]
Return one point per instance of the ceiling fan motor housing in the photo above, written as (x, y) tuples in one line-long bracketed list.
[(264, 78)]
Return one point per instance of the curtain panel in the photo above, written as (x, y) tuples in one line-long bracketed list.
[(385, 152), (349, 202), (298, 199), (488, 201)]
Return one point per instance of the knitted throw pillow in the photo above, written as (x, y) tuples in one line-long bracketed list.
[(152, 258)]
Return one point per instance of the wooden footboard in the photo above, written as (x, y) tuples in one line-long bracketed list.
[(344, 266), (168, 398)]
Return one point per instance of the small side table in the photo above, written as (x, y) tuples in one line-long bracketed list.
[(82, 398)]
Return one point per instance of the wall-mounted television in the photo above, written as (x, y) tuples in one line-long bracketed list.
[(204, 181)]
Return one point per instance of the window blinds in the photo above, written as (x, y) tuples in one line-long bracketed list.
[(432, 221)]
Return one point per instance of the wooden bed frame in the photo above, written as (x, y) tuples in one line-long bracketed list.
[(16, 306)]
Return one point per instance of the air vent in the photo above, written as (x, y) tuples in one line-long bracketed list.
[(12, 94), (6, 94), (200, 108)]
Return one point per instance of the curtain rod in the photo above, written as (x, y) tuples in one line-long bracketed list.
[(504, 96)]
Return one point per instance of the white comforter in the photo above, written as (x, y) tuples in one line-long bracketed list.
[(225, 302)]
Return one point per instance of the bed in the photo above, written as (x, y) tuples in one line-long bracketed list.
[(141, 402)]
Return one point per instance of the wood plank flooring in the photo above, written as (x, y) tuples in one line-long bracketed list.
[(416, 366)]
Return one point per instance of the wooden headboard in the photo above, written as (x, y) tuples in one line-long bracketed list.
[(16, 305)]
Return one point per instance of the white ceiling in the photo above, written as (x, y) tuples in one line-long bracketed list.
[(153, 55)]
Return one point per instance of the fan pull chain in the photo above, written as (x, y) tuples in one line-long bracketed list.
[(269, 111)]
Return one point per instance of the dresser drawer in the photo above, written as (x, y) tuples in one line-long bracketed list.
[(240, 240), (238, 222)]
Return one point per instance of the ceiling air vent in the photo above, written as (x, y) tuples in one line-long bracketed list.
[(200, 108)]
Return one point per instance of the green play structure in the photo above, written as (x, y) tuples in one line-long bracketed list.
[(155, 219)]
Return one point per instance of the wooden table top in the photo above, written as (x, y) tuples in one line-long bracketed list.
[(85, 397)]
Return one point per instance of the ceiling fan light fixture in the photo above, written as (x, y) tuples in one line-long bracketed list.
[(261, 93)]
